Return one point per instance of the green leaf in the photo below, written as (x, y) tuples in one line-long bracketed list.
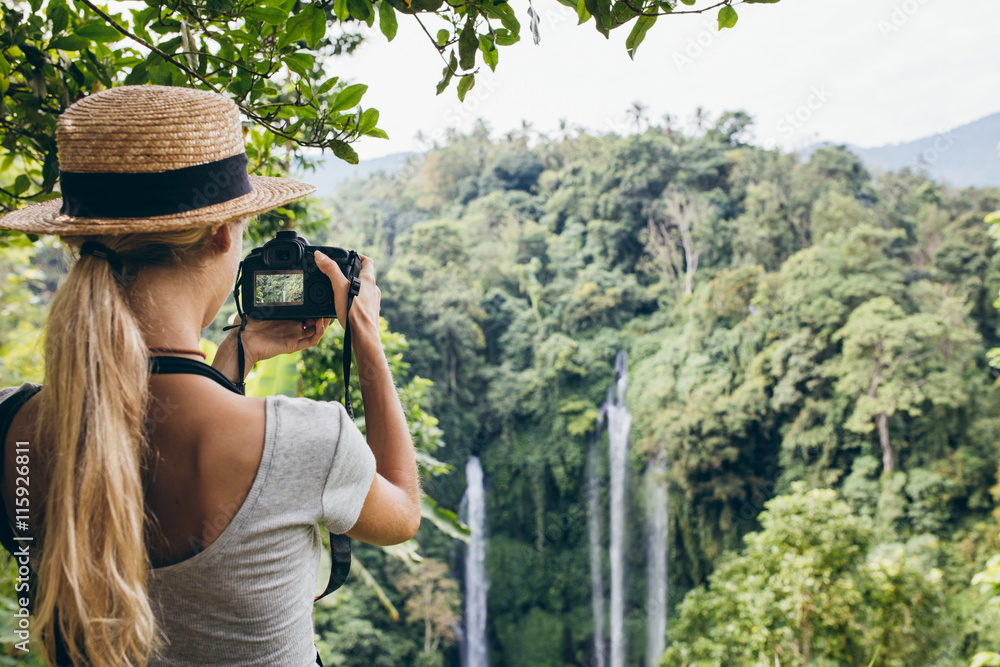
[(447, 73), (727, 17), (387, 19), (490, 54), (642, 25), (317, 30), (345, 152), (327, 85), (445, 520), (369, 119), (271, 15), (141, 19), (21, 184), (359, 9), (504, 14), (465, 85), (340, 10), (296, 28), (99, 31), (349, 97), (305, 112), (622, 12), (505, 37), (59, 16), (583, 15), (442, 37), (4, 66), (138, 74), (69, 43), (601, 11), (300, 63), (377, 133), (467, 45)]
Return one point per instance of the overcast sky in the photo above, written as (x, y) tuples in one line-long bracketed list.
[(867, 72)]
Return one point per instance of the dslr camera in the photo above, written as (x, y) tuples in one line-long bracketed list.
[(280, 281)]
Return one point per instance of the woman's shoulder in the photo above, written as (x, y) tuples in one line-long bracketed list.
[(223, 426), (309, 411)]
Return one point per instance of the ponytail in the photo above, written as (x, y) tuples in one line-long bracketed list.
[(92, 579)]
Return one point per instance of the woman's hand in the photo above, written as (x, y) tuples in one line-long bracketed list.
[(365, 308), (264, 339)]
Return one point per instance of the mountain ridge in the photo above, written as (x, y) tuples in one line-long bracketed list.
[(965, 156)]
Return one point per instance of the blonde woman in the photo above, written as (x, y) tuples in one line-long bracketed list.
[(169, 519)]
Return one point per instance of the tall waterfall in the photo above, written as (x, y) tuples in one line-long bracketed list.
[(656, 560), (476, 585), (596, 552), (619, 426)]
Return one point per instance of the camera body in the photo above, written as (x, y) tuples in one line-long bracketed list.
[(280, 280)]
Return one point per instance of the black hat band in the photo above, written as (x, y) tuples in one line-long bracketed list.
[(147, 195)]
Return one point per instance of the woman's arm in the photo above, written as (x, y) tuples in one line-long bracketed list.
[(391, 513)]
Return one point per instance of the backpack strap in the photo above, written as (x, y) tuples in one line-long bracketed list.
[(12, 399)]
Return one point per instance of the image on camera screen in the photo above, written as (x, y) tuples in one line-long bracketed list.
[(278, 288)]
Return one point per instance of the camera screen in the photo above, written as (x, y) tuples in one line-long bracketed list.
[(278, 288)]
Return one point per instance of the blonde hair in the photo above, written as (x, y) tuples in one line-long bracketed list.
[(92, 580)]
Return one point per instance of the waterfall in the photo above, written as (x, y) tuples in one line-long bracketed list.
[(476, 585), (596, 551), (619, 425), (656, 560)]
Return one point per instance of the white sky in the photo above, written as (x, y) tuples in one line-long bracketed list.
[(872, 71)]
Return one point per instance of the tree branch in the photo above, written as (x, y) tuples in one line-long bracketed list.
[(640, 12), (250, 113)]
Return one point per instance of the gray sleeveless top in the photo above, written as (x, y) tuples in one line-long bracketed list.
[(247, 599)]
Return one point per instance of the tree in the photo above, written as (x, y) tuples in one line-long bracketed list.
[(678, 213), (432, 598), (807, 590), (989, 582), (637, 114), (893, 363)]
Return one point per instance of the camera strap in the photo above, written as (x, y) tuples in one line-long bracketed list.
[(340, 545)]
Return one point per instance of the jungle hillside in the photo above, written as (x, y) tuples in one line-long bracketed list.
[(807, 358)]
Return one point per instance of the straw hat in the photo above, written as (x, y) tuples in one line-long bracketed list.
[(151, 159)]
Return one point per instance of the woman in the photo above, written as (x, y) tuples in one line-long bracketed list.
[(173, 520)]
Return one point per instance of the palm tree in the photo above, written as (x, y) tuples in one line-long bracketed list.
[(526, 132), (700, 119), (668, 125), (637, 112)]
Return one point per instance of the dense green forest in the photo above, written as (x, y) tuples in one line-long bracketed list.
[(807, 350)]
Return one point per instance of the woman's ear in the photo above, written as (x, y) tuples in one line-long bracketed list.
[(222, 238)]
